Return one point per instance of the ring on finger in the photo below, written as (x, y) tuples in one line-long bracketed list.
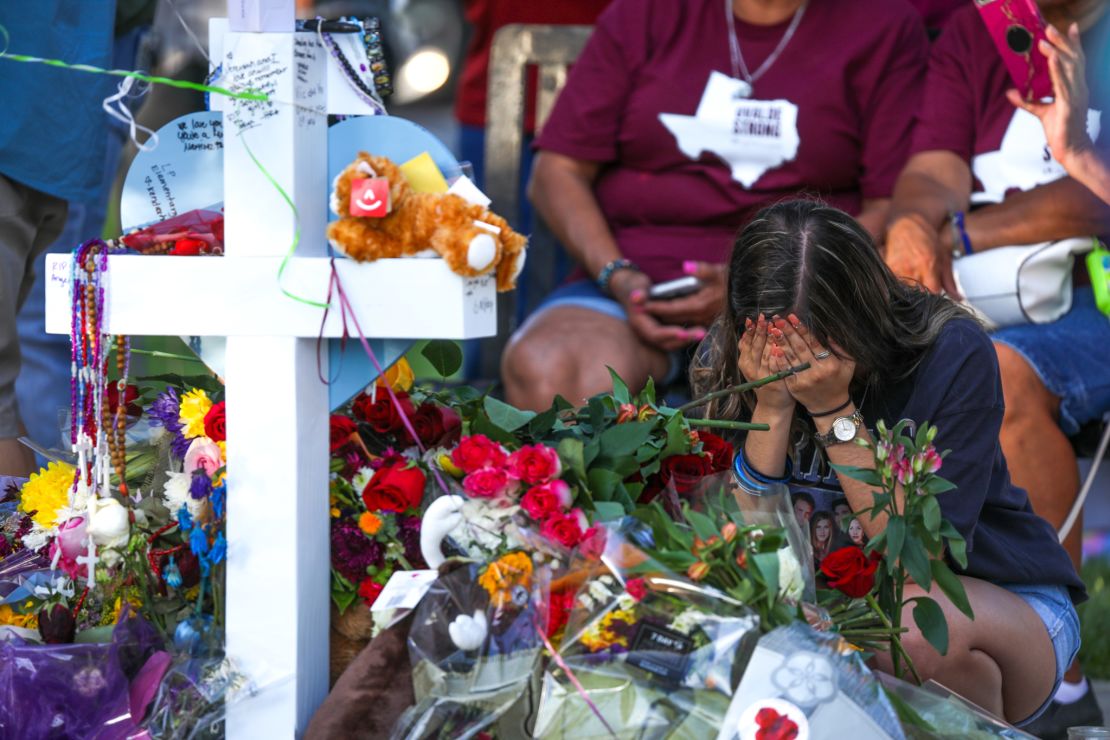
[(823, 355)]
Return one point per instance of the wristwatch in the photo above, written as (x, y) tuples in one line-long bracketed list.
[(844, 429)]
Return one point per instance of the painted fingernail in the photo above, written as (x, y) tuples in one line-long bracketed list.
[(780, 324), (698, 334), (747, 324), (690, 267), (636, 295), (794, 321)]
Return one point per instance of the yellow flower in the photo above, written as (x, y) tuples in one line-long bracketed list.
[(505, 574), (449, 467), (46, 492), (334, 512), (9, 616), (113, 616), (194, 406), (400, 376), (370, 523), (223, 451)]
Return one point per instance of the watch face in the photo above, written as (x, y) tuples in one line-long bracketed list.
[(844, 429)]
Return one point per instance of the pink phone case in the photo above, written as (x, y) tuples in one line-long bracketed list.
[(1017, 29)]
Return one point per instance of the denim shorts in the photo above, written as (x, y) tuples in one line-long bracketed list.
[(1053, 605), (586, 294), (1070, 357)]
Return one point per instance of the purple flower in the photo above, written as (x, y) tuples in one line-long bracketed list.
[(352, 552), (166, 412), (408, 533), (201, 485)]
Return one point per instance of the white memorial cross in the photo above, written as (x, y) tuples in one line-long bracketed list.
[(278, 580)]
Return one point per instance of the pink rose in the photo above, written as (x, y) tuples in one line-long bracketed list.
[(534, 464), (567, 529), (476, 452), (542, 501), (203, 454), (71, 541), (489, 483)]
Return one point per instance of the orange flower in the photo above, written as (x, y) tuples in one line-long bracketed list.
[(698, 571), (728, 532), (505, 574), (370, 523)]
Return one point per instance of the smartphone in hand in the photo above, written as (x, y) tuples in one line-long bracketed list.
[(1017, 28), (674, 288)]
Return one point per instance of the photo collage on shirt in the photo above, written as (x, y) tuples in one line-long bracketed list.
[(826, 520)]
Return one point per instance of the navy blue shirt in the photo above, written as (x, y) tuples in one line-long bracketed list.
[(957, 388)]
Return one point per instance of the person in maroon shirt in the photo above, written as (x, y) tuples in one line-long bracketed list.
[(973, 148), (679, 121)]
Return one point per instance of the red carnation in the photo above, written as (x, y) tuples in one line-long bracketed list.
[(369, 591), (395, 487), (849, 571), (215, 422)]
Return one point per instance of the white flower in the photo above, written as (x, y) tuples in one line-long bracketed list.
[(791, 583), (468, 633), (625, 602), (108, 523), (37, 538), (687, 620), (586, 602), (598, 590), (362, 478), (175, 494)]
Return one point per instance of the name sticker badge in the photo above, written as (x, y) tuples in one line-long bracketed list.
[(370, 197), (660, 651), (404, 589)]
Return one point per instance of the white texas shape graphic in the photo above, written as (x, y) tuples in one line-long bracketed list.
[(748, 156), (1022, 159)]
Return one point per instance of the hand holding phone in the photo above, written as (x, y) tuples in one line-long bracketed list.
[(682, 286), (1018, 28)]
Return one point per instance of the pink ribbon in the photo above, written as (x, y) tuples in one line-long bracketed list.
[(570, 674), (345, 310)]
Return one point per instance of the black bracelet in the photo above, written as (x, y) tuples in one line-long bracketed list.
[(841, 407)]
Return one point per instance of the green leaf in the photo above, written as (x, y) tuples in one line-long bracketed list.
[(505, 416), (704, 527), (929, 618), (870, 476), (625, 439), (571, 453), (922, 436), (907, 715), (767, 564), (957, 545), (930, 514), (602, 484), (444, 355), (895, 536), (591, 451), (620, 388), (678, 443), (607, 511), (541, 425), (952, 587), (916, 562), (937, 485), (483, 425), (647, 395)]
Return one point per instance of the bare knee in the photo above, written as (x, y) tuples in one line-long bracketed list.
[(534, 371), (1027, 399)]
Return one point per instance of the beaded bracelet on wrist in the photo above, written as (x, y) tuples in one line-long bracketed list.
[(605, 277)]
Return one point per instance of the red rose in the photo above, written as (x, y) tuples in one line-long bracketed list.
[(369, 591), (340, 429), (567, 529), (382, 415), (478, 451), (130, 395), (718, 450), (558, 610), (394, 487), (685, 471), (849, 571), (542, 501), (215, 423), (636, 588), (535, 464), (435, 425)]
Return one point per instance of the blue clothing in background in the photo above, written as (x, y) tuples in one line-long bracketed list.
[(52, 131)]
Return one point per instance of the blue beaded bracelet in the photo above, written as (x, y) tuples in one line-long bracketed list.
[(960, 227), (606, 275)]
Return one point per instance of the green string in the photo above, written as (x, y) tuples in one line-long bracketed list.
[(249, 94), (296, 231)]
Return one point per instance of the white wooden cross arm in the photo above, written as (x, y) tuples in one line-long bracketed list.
[(278, 587)]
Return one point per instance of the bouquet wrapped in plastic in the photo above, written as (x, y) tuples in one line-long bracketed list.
[(643, 651), (475, 646)]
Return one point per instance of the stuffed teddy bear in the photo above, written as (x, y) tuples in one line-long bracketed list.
[(473, 240)]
